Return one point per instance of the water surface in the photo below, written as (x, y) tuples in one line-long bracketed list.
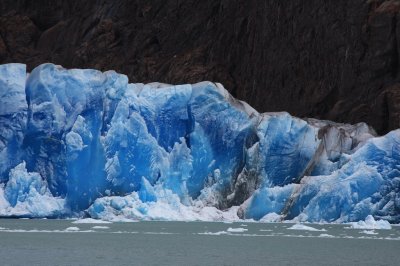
[(64, 242)]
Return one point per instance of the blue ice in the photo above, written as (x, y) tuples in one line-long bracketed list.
[(84, 140)]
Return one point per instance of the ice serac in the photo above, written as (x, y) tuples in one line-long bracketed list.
[(368, 183), (63, 131), (27, 195), (83, 142), (13, 116)]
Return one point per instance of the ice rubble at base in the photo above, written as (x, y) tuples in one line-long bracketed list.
[(82, 142), (167, 207)]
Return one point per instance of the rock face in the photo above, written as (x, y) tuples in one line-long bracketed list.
[(336, 60)]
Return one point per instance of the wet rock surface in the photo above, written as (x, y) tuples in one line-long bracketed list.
[(336, 60)]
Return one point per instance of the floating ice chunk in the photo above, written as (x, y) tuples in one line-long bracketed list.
[(90, 221), (326, 236), (100, 227), (369, 232), (304, 227), (236, 230), (214, 233), (72, 229), (371, 223)]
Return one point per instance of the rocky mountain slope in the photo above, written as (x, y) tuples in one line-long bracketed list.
[(335, 60)]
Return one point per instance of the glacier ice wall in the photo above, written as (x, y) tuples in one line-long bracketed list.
[(82, 142)]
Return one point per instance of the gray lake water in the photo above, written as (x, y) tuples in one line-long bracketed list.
[(62, 242)]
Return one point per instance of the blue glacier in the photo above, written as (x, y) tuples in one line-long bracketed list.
[(80, 142)]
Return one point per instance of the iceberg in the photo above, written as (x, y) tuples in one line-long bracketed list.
[(89, 144), (371, 224)]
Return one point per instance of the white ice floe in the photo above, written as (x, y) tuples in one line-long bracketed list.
[(305, 227), (72, 229), (236, 230), (90, 221), (326, 236), (214, 233), (67, 230), (100, 227), (370, 223), (369, 232)]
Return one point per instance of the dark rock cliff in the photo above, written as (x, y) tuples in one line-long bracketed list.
[(335, 60)]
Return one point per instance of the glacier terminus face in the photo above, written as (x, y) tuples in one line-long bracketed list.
[(81, 142)]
